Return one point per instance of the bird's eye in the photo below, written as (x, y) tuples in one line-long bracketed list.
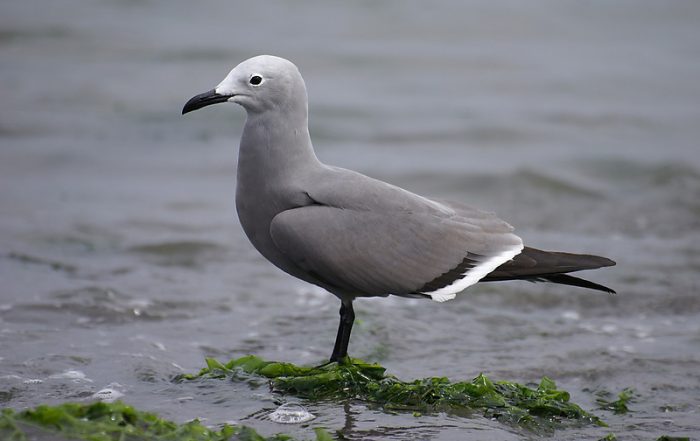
[(256, 80)]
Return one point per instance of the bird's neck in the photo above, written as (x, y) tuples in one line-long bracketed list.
[(275, 146)]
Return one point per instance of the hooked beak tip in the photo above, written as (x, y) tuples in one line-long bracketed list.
[(204, 99)]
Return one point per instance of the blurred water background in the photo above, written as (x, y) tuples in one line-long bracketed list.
[(122, 262)]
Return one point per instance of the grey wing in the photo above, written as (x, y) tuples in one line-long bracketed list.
[(377, 253)]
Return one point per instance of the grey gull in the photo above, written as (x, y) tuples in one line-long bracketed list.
[(353, 235)]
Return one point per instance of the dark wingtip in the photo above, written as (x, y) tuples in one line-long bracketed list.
[(589, 261), (608, 262)]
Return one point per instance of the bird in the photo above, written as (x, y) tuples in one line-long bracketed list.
[(353, 235)]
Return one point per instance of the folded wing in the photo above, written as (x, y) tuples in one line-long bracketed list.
[(400, 252)]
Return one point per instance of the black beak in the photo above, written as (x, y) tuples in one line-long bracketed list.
[(204, 99)]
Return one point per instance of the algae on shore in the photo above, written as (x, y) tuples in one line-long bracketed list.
[(118, 422), (619, 406), (543, 408)]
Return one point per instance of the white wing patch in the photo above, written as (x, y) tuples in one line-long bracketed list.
[(475, 274)]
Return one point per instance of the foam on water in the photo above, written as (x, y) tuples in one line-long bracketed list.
[(290, 413)]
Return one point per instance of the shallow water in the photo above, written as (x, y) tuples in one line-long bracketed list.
[(123, 264)]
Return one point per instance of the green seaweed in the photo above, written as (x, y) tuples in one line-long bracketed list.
[(541, 408), (118, 421), (619, 406)]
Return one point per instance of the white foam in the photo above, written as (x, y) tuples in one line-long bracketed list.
[(109, 394), (72, 375), (289, 413)]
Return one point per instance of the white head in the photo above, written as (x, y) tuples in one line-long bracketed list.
[(259, 84)]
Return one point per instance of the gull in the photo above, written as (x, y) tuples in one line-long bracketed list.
[(353, 235)]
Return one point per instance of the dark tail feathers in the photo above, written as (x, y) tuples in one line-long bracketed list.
[(565, 279), (550, 266)]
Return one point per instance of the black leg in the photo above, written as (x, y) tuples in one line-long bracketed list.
[(347, 318)]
